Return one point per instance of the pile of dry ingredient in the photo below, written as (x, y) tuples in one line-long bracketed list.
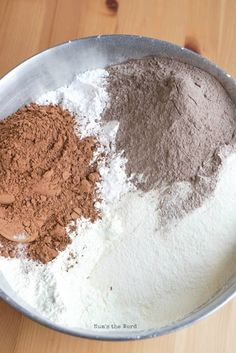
[(46, 180), (174, 122), (126, 178)]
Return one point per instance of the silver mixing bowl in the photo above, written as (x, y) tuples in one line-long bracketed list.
[(56, 67)]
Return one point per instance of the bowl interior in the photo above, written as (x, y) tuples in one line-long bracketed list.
[(56, 67)]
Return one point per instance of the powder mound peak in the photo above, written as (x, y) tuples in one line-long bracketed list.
[(174, 118)]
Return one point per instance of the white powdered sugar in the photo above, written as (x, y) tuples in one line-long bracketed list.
[(126, 268), (86, 97)]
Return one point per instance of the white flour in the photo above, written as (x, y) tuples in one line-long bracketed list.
[(125, 268)]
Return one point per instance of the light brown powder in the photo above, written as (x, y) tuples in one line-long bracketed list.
[(173, 117), (174, 121)]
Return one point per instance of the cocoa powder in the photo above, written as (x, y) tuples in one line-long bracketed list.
[(46, 180)]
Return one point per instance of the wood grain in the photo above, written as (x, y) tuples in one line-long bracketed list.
[(29, 26)]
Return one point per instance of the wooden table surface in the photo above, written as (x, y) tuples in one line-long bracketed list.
[(207, 26)]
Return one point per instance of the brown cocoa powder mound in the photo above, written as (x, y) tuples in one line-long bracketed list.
[(173, 119), (46, 180)]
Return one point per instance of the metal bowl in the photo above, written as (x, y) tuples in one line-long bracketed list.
[(56, 67)]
